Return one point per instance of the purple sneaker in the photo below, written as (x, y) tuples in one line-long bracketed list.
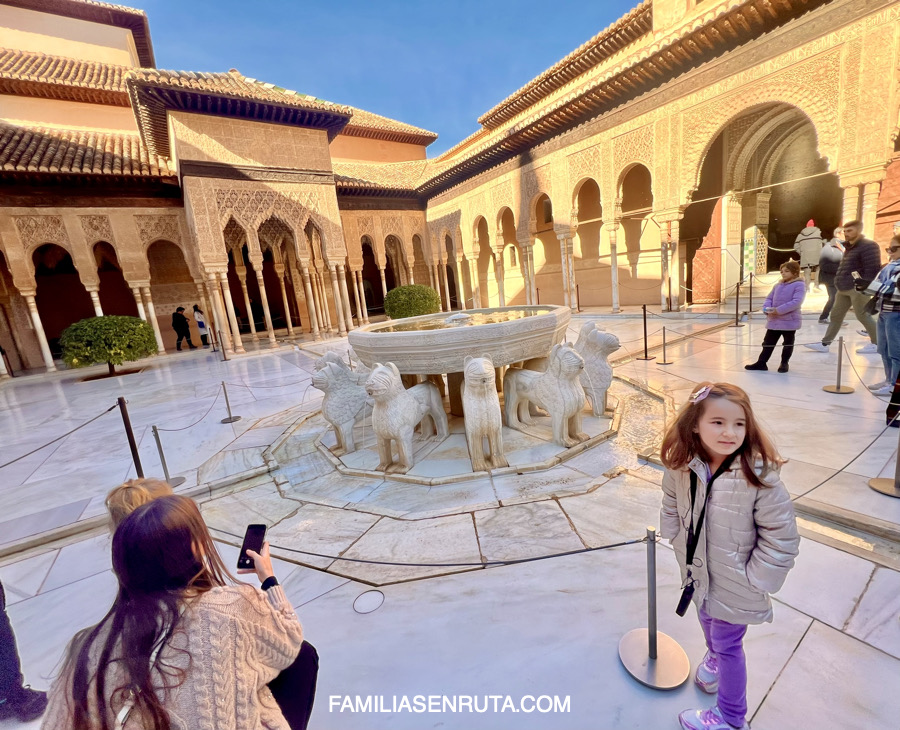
[(710, 719), (707, 676)]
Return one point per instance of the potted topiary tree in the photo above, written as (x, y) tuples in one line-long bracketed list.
[(411, 300), (111, 339)]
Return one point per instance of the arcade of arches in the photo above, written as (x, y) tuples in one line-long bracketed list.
[(660, 163)]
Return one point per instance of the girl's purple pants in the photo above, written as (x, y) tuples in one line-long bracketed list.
[(725, 640)]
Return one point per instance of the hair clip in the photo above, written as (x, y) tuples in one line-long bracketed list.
[(700, 394)]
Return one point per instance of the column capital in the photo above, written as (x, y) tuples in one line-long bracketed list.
[(862, 175)]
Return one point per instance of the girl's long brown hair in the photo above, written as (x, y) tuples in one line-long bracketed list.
[(162, 553), (682, 442)]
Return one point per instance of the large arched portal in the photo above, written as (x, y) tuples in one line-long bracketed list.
[(61, 297), (638, 249), (487, 274), (760, 181), (592, 273), (171, 286), (371, 277), (115, 294), (449, 261), (547, 258)]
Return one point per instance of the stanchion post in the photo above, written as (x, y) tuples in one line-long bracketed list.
[(890, 487), (224, 349), (665, 360), (737, 305), (654, 659), (177, 481), (646, 355), (750, 305), (135, 457), (231, 418), (838, 388), (577, 299)]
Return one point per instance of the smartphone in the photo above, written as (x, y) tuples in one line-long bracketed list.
[(854, 274), (253, 540)]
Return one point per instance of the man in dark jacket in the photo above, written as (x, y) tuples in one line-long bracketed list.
[(183, 328), (861, 264), (17, 700)]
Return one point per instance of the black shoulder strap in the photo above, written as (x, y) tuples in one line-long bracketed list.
[(694, 531)]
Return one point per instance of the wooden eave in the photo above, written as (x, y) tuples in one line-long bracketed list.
[(62, 92), (151, 103), (388, 135), (720, 35)]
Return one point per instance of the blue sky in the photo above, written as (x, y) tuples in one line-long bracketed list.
[(438, 65)]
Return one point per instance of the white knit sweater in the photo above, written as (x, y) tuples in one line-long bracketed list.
[(239, 639)]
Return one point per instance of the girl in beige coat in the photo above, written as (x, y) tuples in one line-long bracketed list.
[(731, 522)]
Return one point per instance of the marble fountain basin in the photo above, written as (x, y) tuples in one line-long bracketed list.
[(439, 343)]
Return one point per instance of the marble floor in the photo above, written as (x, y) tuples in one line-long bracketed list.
[(547, 627)]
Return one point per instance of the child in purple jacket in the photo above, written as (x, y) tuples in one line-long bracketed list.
[(782, 308)]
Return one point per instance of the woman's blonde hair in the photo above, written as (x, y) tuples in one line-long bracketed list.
[(127, 497), (682, 442)]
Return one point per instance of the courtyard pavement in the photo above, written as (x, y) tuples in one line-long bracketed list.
[(548, 627)]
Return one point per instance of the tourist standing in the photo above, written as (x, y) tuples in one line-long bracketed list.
[(809, 245), (733, 550), (783, 319), (182, 328), (17, 700), (886, 303), (172, 631), (201, 325), (829, 261), (860, 264)]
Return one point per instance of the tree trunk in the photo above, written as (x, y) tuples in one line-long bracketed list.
[(112, 368)]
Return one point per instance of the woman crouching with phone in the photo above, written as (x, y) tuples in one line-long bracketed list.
[(183, 647)]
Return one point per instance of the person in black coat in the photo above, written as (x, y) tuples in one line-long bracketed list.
[(182, 328), (17, 700)]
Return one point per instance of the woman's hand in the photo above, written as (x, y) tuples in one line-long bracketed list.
[(262, 563)]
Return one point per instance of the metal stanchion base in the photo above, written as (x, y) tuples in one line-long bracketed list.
[(885, 486), (176, 482), (649, 357), (839, 389), (736, 324), (669, 670), (230, 419), (665, 362)]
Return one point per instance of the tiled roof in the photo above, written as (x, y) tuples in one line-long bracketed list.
[(29, 73), (92, 11), (625, 30), (385, 177), (63, 151), (367, 124), (231, 94)]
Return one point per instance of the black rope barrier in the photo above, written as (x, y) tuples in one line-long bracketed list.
[(483, 564), (185, 428), (59, 438)]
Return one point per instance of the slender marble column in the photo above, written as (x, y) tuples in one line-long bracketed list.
[(39, 332), (564, 269), (383, 281), (322, 302), (338, 309), (95, 300), (310, 305), (870, 207), (232, 318), (460, 285), (242, 277), (284, 301), (136, 293), (362, 296), (410, 274), (443, 268), (345, 296), (850, 210), (359, 313), (476, 285), (614, 266), (221, 321), (267, 314), (498, 273), (154, 322), (4, 373)]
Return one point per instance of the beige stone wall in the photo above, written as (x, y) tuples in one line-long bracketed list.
[(32, 112), (849, 95), (345, 147), (238, 142), (31, 30)]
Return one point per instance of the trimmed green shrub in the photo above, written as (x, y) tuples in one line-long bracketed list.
[(411, 301), (111, 339)]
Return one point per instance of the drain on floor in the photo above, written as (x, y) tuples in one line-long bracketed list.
[(368, 601)]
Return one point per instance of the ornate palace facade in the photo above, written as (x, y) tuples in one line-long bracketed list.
[(659, 162)]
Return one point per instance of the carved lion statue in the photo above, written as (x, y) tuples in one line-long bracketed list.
[(329, 357), (397, 412), (558, 391), (595, 346), (481, 406), (344, 401)]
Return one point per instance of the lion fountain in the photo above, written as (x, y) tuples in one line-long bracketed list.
[(481, 406)]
